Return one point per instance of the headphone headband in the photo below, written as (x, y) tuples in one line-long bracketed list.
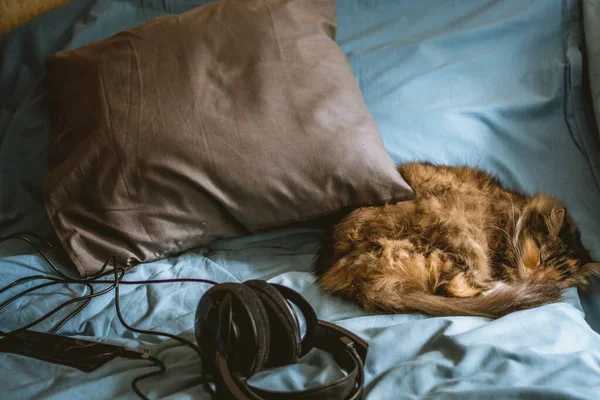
[(241, 320), (310, 317), (349, 387)]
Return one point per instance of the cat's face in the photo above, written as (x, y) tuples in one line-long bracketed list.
[(548, 246)]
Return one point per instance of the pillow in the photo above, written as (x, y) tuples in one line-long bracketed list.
[(235, 117)]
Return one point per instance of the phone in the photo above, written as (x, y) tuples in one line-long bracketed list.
[(84, 355)]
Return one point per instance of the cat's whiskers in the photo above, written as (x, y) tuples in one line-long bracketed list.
[(514, 221), (518, 251), (513, 241), (509, 241), (512, 208), (500, 229)]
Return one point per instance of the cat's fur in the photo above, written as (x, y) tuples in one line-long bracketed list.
[(463, 246)]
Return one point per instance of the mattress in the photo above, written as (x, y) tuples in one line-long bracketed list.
[(501, 85)]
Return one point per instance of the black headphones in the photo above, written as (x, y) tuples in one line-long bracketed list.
[(242, 328)]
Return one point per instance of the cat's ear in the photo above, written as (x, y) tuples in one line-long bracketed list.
[(557, 218), (593, 268)]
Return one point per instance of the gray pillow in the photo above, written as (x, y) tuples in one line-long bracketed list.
[(232, 118)]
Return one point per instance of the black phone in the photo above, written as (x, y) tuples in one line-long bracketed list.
[(84, 355)]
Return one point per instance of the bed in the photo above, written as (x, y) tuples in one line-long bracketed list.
[(511, 86)]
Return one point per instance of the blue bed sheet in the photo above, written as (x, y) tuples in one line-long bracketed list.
[(591, 22), (486, 83)]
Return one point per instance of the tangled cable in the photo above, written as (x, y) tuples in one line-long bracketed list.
[(118, 274)]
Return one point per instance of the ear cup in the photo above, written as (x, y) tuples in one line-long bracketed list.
[(252, 360), (286, 343), (248, 350)]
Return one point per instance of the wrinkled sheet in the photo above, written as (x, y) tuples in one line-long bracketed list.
[(493, 84)]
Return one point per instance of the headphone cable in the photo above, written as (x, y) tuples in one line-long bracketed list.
[(118, 274)]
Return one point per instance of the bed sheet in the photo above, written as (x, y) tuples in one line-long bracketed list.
[(591, 24), (487, 83)]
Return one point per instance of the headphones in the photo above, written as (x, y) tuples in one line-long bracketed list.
[(243, 328)]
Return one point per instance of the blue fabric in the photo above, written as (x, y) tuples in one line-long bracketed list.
[(487, 83), (591, 22)]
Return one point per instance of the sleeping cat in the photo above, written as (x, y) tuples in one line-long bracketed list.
[(463, 246)]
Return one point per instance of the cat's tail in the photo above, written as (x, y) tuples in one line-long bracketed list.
[(502, 300)]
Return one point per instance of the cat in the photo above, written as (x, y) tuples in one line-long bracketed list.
[(464, 245)]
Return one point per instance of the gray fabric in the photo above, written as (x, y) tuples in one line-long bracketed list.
[(232, 118), (591, 24)]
